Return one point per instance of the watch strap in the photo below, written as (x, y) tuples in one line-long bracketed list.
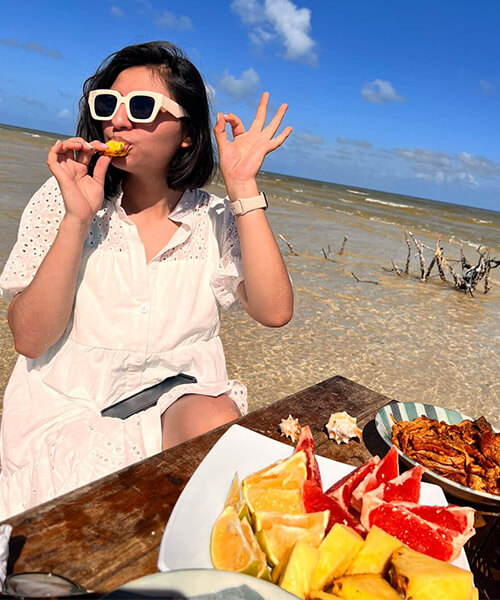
[(245, 205)]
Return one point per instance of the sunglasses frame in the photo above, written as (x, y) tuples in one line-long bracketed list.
[(161, 102)]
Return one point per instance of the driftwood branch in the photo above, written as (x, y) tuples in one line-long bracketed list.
[(290, 247), (341, 251), (471, 275), (363, 280)]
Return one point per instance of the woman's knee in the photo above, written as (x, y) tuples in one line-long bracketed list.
[(194, 414)]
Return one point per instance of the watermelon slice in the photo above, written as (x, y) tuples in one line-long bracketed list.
[(404, 488), (411, 529), (343, 488), (385, 470), (315, 500), (456, 518), (306, 443)]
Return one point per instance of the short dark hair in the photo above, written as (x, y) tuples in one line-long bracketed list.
[(191, 167)]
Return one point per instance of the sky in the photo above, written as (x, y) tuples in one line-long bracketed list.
[(391, 95)]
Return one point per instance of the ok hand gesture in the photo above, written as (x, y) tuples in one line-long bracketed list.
[(241, 159)]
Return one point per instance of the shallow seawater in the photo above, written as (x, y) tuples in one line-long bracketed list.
[(409, 340)]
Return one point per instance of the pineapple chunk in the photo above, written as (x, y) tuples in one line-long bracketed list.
[(336, 552), (367, 586), (315, 595), (421, 577), (375, 554), (295, 572)]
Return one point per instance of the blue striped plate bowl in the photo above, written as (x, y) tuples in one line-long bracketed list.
[(407, 411)]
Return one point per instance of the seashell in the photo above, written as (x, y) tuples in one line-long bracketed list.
[(290, 428), (342, 427)]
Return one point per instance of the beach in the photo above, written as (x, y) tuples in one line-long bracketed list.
[(410, 340)]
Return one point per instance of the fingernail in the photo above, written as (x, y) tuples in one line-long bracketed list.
[(57, 142), (89, 146), (226, 115)]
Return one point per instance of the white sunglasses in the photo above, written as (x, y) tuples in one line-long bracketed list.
[(141, 106)]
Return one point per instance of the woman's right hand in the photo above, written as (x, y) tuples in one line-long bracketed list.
[(82, 194)]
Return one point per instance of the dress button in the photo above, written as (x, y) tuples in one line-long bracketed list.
[(139, 358), (144, 308)]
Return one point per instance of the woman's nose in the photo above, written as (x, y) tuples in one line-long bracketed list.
[(120, 120)]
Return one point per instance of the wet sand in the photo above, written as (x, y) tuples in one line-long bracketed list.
[(409, 340)]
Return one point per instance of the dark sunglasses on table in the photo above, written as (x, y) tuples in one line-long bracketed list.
[(141, 106)]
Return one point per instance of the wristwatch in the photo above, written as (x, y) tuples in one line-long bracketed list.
[(245, 205)]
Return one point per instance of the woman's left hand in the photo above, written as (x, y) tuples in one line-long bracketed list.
[(241, 159)]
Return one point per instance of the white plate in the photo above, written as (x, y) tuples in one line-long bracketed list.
[(407, 411), (200, 584), (186, 540)]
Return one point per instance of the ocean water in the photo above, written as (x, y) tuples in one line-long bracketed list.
[(410, 340)]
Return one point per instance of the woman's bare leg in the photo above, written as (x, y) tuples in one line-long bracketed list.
[(194, 414)]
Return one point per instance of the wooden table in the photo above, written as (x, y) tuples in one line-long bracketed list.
[(108, 532)]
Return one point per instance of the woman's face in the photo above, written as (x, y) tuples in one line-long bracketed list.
[(152, 145)]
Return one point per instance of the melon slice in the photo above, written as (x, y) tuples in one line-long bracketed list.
[(342, 489), (384, 471), (404, 488), (315, 500), (414, 531), (306, 443)]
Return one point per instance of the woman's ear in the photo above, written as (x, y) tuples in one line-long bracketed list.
[(186, 142)]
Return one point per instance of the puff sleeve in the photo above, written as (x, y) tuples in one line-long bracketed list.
[(229, 271), (37, 230)]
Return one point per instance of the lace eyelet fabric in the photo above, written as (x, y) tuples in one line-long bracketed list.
[(133, 324)]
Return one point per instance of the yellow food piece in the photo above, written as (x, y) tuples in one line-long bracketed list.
[(364, 587), (294, 574), (263, 570), (375, 554), (264, 497), (235, 498), (266, 520), (277, 541), (291, 469), (115, 149), (336, 552), (316, 595), (229, 548), (422, 577)]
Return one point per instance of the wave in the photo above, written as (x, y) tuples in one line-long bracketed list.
[(481, 221), (356, 192), (297, 190), (386, 203), (346, 201), (382, 221), (35, 135)]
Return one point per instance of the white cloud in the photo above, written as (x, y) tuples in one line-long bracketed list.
[(31, 46), (279, 19), (240, 89), (308, 138), (462, 178), (117, 12), (168, 20), (482, 166), (349, 142), (210, 92), (380, 91), (64, 113)]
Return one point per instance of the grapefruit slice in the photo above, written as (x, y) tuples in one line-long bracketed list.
[(385, 470), (343, 488), (315, 500), (306, 443), (404, 488), (229, 548), (456, 518), (411, 529)]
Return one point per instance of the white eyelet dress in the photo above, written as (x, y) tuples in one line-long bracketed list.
[(133, 324)]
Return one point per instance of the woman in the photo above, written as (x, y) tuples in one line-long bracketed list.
[(119, 272)]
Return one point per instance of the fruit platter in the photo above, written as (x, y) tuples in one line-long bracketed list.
[(318, 528)]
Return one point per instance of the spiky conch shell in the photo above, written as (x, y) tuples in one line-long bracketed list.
[(342, 427), (290, 428)]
